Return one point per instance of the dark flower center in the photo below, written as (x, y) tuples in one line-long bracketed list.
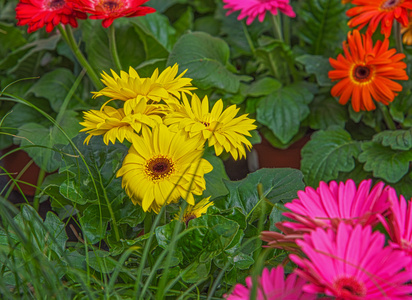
[(361, 73), (111, 5), (207, 124), (159, 167), (188, 218), (390, 4), (349, 286), (56, 4)]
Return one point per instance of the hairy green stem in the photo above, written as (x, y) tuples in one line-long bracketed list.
[(386, 116), (248, 38), (398, 38), (113, 48), (67, 34), (277, 27)]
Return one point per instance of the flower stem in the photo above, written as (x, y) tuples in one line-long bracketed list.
[(277, 30), (398, 38), (67, 34), (386, 116), (248, 38), (113, 48)]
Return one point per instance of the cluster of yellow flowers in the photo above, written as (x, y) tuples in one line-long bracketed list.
[(167, 132)]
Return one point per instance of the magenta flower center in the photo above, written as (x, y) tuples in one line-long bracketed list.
[(390, 4), (349, 286), (159, 167), (55, 4)]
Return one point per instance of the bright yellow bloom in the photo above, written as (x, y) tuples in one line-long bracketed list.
[(116, 124), (130, 85), (161, 167), (192, 212), (221, 128)]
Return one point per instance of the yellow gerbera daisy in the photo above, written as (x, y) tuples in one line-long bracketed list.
[(192, 212), (130, 85), (161, 167), (221, 128), (115, 124)]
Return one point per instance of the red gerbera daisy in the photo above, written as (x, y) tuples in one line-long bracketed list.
[(379, 11), (365, 72), (39, 13), (108, 10)]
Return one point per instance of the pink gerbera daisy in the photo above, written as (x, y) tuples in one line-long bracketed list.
[(272, 285), (399, 226), (109, 10), (329, 204), (47, 13), (257, 8), (352, 263)]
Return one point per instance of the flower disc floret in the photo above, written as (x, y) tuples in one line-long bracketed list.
[(161, 167), (220, 128)]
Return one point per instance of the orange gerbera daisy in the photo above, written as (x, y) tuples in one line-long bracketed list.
[(379, 11), (365, 72)]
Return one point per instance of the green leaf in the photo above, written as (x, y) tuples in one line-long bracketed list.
[(94, 222), (396, 139), (22, 114), (196, 272), (263, 87), (185, 22), (46, 138), (322, 24), (156, 33), (102, 161), (50, 235), (317, 65), (208, 236), (206, 59), (54, 86), (162, 5), (10, 38), (283, 110), (328, 153), (277, 185), (214, 183), (385, 162), (326, 112), (18, 59), (101, 261), (128, 213)]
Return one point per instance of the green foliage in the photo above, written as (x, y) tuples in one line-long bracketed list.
[(276, 185), (396, 139), (41, 140), (321, 26), (325, 112), (328, 153), (385, 162), (207, 60), (283, 110)]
